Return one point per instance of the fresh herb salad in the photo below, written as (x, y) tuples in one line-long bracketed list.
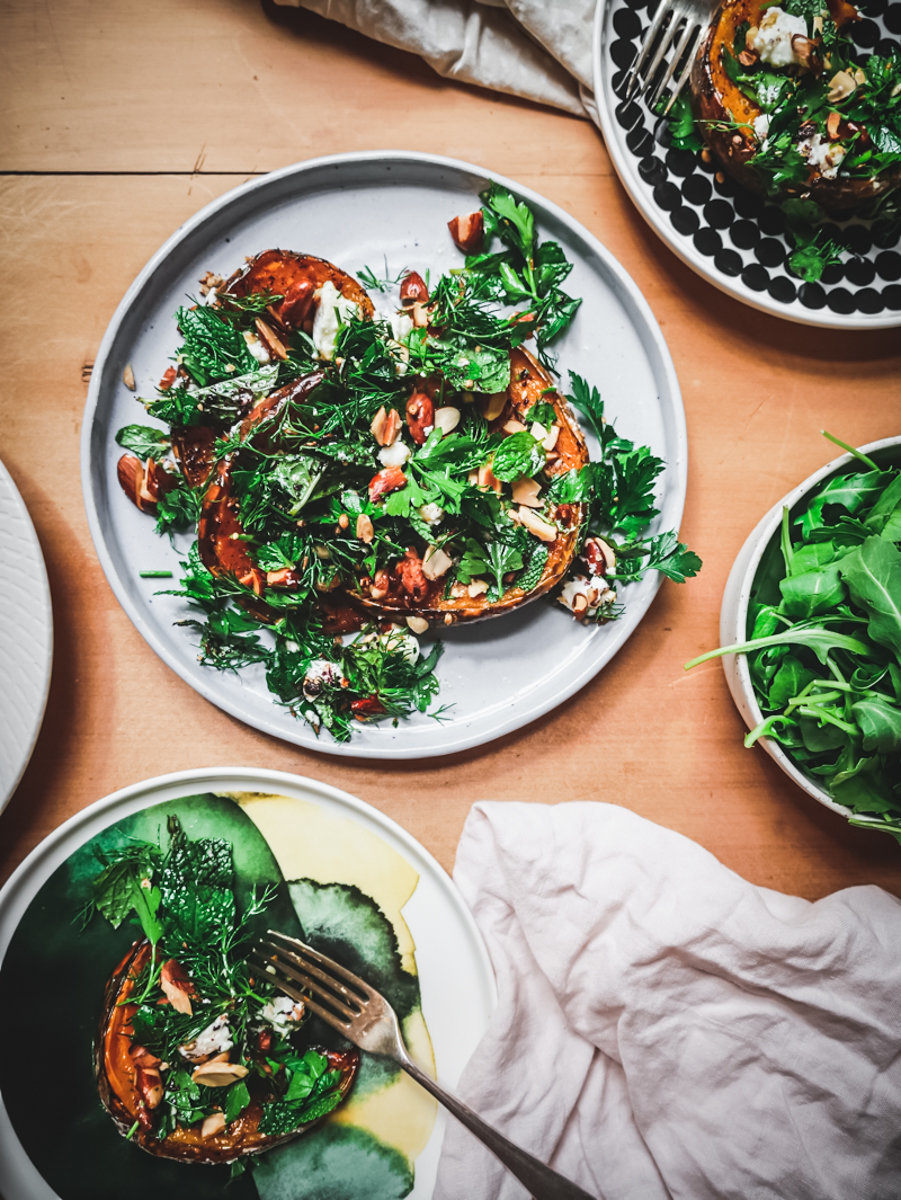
[(198, 1059), (824, 646), (361, 476)]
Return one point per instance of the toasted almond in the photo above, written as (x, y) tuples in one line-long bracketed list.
[(420, 314), (492, 406), (525, 491), (447, 418), (417, 624), (270, 339), (841, 85), (177, 986), (212, 1125), (607, 551), (514, 426), (128, 377), (363, 528), (385, 426), (548, 443), (543, 530), (478, 587), (436, 562), (218, 1074)]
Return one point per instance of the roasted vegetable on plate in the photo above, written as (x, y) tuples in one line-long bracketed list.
[(196, 1058), (362, 474), (793, 109)]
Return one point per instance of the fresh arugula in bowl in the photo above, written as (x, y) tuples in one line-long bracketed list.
[(824, 644)]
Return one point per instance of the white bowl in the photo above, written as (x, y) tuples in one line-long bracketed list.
[(737, 594)]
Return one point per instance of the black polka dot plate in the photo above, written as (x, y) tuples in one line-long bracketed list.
[(732, 238)]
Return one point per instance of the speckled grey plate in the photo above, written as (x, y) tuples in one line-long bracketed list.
[(734, 239), (26, 637), (377, 209)]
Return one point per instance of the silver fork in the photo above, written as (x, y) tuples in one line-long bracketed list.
[(677, 23), (347, 1003)]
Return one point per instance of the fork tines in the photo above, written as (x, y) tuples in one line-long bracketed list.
[(671, 43), (324, 986)]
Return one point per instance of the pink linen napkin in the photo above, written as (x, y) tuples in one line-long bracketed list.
[(667, 1029)]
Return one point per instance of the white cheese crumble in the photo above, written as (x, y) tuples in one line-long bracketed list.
[(215, 1039), (332, 311), (256, 348), (596, 592), (761, 125), (319, 674), (772, 39), (394, 455), (432, 514), (281, 1012), (823, 155), (397, 640)]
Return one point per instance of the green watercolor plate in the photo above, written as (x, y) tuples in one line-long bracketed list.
[(350, 879)]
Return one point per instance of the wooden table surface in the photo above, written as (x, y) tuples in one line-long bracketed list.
[(122, 121)]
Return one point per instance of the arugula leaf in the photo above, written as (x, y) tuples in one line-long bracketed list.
[(825, 661)]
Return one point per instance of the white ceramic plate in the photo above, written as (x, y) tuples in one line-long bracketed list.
[(728, 236), (26, 637), (371, 210), (455, 977)]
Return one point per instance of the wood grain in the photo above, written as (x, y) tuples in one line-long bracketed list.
[(117, 130)]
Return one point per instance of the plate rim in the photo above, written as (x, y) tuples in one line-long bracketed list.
[(22, 887), (665, 378), (622, 163), (42, 593)]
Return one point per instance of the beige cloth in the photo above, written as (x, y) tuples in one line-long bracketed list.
[(666, 1030), (538, 49)]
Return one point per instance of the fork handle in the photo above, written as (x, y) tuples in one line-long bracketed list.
[(542, 1182)]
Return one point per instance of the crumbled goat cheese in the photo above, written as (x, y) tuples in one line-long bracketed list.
[(394, 455), (597, 594), (773, 38), (761, 125), (397, 640), (332, 311), (215, 1039), (432, 514), (256, 348), (825, 156), (281, 1012), (319, 674)]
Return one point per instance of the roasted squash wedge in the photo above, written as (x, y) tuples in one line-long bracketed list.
[(787, 109), (407, 587)]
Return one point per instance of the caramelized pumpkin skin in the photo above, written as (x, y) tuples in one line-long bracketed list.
[(726, 118), (120, 1085), (295, 278)]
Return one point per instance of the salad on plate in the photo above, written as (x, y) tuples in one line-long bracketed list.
[(366, 462)]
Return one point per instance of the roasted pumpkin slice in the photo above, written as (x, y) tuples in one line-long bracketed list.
[(801, 137), (131, 1083), (297, 280), (416, 586)]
